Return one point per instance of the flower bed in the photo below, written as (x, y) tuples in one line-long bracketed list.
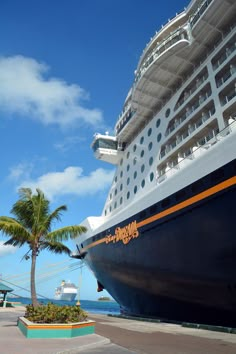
[(55, 330)]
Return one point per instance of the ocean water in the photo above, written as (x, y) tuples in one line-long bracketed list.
[(102, 307)]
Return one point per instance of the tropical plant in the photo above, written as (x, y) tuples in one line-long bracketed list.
[(51, 313), (32, 226)]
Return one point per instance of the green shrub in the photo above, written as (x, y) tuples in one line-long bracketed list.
[(52, 313)]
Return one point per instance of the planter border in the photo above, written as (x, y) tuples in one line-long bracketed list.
[(55, 330)]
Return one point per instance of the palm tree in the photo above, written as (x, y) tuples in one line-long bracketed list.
[(32, 225)]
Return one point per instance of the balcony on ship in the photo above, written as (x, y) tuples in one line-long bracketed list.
[(225, 74), (195, 84), (225, 54), (198, 104), (193, 149), (107, 148)]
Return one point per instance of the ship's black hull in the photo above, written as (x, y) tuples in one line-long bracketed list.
[(181, 262)]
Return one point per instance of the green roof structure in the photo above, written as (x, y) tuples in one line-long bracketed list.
[(4, 289)]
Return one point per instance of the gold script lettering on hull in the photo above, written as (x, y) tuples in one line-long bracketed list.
[(124, 234)]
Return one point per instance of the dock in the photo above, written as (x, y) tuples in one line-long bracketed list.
[(115, 335)]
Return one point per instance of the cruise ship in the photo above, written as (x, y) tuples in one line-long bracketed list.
[(67, 291), (165, 246)]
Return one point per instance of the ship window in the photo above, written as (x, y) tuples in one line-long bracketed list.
[(115, 205), (110, 208), (105, 212), (197, 186), (116, 179), (115, 191), (135, 174), (151, 176), (159, 137), (121, 173), (158, 122), (128, 180), (141, 140), (142, 215), (234, 165), (121, 187), (149, 131), (121, 200), (150, 161), (121, 162), (142, 168), (165, 202), (180, 195), (134, 148), (217, 175), (128, 153), (128, 166), (135, 189), (143, 183), (128, 195), (150, 146), (167, 112), (110, 196), (135, 160), (142, 153), (153, 209)]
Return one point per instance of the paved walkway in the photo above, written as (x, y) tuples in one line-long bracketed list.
[(116, 336)]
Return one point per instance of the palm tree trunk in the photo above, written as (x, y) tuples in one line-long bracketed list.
[(32, 280)]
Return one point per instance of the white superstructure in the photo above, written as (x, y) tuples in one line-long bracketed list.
[(177, 114), (67, 291)]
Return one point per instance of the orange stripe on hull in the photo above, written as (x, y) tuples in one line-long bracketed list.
[(201, 196)]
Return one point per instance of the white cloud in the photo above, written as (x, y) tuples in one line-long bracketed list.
[(71, 181), (27, 90), (68, 143), (5, 250), (21, 170)]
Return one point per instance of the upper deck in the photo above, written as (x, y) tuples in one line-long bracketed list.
[(169, 59)]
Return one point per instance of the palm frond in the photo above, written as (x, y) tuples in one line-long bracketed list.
[(7, 219), (54, 215), (66, 233), (18, 234), (55, 247)]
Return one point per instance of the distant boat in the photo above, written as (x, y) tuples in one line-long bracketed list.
[(66, 291)]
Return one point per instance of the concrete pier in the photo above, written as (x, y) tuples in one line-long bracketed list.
[(115, 335)]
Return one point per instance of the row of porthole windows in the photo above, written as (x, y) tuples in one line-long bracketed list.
[(159, 136), (142, 167), (196, 187), (134, 176), (150, 145), (151, 178)]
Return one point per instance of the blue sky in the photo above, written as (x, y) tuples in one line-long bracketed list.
[(65, 70)]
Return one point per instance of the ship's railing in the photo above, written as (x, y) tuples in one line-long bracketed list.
[(193, 88), (228, 51), (191, 128), (229, 96), (203, 144), (196, 67), (148, 50), (124, 111), (189, 110), (124, 121), (199, 12), (179, 34), (226, 76), (209, 52)]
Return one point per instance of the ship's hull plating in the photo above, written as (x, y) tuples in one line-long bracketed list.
[(65, 297), (175, 260)]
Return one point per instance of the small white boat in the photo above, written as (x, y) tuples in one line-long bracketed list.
[(66, 291)]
